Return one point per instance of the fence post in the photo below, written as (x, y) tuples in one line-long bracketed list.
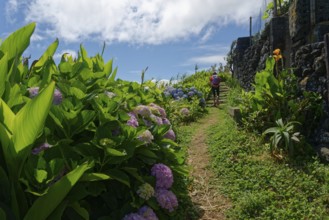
[(326, 57)]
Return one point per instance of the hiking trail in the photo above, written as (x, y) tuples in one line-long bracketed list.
[(204, 189)]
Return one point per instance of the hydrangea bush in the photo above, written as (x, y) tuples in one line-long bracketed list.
[(82, 142)]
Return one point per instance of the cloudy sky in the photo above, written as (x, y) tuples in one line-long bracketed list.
[(169, 37)]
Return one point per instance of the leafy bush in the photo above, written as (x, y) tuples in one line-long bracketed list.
[(279, 97), (85, 144)]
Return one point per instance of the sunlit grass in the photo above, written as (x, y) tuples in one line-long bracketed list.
[(261, 187)]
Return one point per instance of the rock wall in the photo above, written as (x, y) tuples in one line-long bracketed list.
[(300, 36)]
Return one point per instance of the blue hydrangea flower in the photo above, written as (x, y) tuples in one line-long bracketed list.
[(163, 175), (147, 213), (190, 93), (166, 199)]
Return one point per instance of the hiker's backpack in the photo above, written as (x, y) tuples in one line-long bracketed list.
[(215, 80)]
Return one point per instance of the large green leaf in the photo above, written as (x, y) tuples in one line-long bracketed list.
[(80, 210), (17, 42), (114, 73), (46, 204), (94, 177), (46, 55), (119, 176), (3, 73), (6, 116), (108, 68), (30, 119)]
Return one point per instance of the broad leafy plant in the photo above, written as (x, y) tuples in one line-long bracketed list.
[(283, 136), (77, 143)]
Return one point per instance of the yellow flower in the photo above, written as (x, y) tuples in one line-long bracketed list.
[(277, 52), (277, 57)]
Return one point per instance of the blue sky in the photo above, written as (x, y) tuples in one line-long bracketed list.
[(168, 36)]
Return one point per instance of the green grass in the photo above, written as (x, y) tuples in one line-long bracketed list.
[(261, 187), (186, 209)]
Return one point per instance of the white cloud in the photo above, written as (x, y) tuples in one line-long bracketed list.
[(207, 59), (136, 21), (10, 9), (59, 55)]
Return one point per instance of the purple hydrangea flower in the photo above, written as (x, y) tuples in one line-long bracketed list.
[(143, 110), (33, 91), (184, 112), (157, 119), (146, 136), (170, 135), (42, 147), (166, 121), (133, 122), (133, 216), (166, 199), (163, 175), (147, 213), (147, 122), (58, 97), (160, 110)]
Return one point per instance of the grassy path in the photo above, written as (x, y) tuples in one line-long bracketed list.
[(204, 188), (225, 160)]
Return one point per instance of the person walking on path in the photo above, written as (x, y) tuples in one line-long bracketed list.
[(214, 82)]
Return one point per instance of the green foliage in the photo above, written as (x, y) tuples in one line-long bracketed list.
[(259, 186), (66, 140), (279, 97), (283, 136), (282, 8)]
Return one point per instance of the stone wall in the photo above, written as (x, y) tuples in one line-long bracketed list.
[(300, 36)]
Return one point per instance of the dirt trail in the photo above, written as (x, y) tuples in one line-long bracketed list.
[(203, 191)]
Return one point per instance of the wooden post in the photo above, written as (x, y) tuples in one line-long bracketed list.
[(326, 57)]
